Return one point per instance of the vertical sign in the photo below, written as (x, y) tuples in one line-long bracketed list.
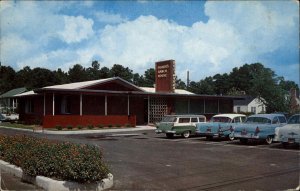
[(165, 76)]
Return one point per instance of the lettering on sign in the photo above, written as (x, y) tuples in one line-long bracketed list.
[(162, 71)]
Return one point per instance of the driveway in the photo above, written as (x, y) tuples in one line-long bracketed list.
[(142, 160)]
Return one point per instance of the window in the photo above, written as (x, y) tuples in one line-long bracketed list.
[(253, 109), (201, 119), (238, 109), (194, 120), (29, 106), (275, 120), (184, 120), (66, 105), (236, 120), (243, 119), (282, 119)]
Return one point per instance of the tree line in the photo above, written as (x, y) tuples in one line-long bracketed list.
[(250, 79)]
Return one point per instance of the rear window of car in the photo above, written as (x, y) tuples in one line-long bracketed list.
[(258, 120), (294, 119), (201, 119), (282, 119), (184, 120), (221, 119)]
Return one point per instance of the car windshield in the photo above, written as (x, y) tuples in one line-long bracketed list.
[(1, 117), (294, 119), (169, 119), (221, 119), (258, 120)]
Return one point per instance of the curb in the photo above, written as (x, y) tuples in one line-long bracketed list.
[(55, 185), (138, 128)]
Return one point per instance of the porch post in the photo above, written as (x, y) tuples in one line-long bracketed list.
[(44, 104), (53, 104), (13, 105), (80, 104), (105, 105), (148, 109), (128, 112), (218, 106)]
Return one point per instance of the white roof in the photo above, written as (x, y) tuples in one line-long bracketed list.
[(177, 91), (78, 85), (29, 93), (230, 115)]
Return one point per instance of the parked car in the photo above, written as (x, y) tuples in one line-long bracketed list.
[(220, 126), (290, 133), (259, 127), (8, 118), (184, 125)]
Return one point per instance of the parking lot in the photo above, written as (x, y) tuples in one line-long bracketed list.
[(143, 160)]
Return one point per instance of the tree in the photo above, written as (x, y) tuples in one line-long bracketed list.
[(93, 72), (7, 79), (119, 71), (77, 74), (41, 77), (23, 77)]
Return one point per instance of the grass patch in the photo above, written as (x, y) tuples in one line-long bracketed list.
[(18, 125)]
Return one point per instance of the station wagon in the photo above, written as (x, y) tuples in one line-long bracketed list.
[(184, 125), (219, 126), (259, 127)]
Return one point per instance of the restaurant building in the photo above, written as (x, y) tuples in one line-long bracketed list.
[(115, 101)]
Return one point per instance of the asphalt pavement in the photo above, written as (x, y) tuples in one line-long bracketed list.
[(143, 160)]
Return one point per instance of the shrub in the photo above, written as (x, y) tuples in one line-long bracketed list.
[(79, 127), (58, 127), (128, 125), (70, 127), (118, 125), (90, 127), (59, 160), (100, 126), (110, 125)]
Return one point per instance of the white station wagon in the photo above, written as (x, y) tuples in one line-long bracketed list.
[(289, 133)]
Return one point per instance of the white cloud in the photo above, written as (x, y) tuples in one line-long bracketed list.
[(76, 29), (104, 17)]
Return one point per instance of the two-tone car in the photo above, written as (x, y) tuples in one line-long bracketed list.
[(290, 133), (220, 125), (184, 125), (259, 127)]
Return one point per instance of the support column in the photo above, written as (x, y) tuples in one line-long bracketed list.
[(128, 111), (53, 104), (80, 105), (105, 105), (148, 109), (13, 105), (44, 104)]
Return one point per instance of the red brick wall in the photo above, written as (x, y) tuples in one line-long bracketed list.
[(75, 120)]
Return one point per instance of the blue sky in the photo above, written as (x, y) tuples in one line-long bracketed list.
[(205, 38)]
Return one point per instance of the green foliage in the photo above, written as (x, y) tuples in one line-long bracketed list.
[(58, 127), (110, 125), (70, 127), (127, 125), (90, 126), (118, 125), (100, 126), (59, 160), (79, 127)]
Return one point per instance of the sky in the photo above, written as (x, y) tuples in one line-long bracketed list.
[(204, 37)]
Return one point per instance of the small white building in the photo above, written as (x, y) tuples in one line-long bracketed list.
[(249, 104)]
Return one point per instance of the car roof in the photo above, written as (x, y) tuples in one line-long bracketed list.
[(269, 116), (185, 116), (230, 115)]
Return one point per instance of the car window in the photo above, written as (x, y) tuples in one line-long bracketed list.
[(194, 120), (282, 119), (184, 120), (201, 119), (258, 120), (169, 119), (243, 119), (236, 120), (275, 120), (294, 119), (221, 119)]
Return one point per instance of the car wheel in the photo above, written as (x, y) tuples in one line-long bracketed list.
[(169, 135), (269, 139), (186, 134), (209, 138), (284, 144), (231, 137), (244, 141)]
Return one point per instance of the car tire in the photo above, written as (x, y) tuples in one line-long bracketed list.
[(244, 141), (186, 134), (284, 144), (169, 135), (209, 137), (269, 140)]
